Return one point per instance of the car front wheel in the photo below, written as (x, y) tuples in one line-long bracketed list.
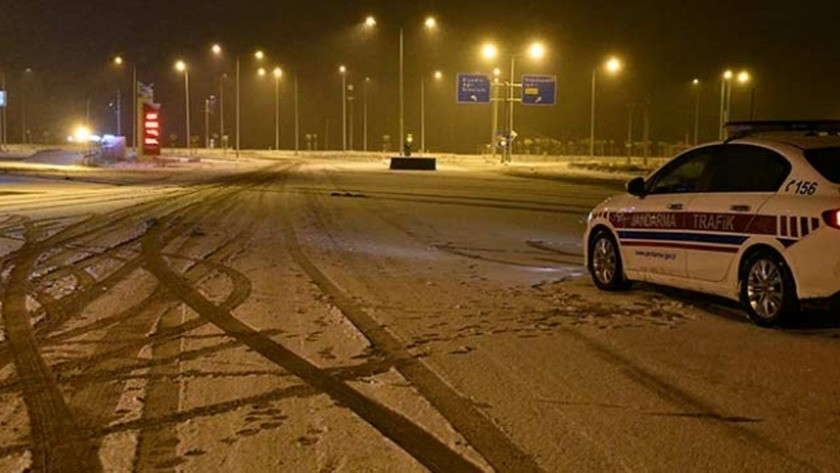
[(768, 290), (605, 263)]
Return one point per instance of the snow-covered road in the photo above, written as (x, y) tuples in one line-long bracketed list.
[(330, 315)]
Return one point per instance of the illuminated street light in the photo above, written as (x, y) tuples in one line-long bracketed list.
[(181, 66), (497, 72), (743, 77), (118, 61), (612, 66), (430, 23), (727, 75), (696, 85), (489, 51), (438, 75), (259, 55), (343, 71), (261, 71), (216, 49), (370, 22), (536, 51), (278, 73)]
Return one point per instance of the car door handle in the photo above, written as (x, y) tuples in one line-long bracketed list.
[(674, 206), (740, 208)]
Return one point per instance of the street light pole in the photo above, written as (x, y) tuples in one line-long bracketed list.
[(592, 117), (238, 109), (402, 94), (423, 114), (696, 110), (5, 105), (187, 103), (297, 118), (222, 113), (207, 123), (343, 72), (277, 109), (365, 114)]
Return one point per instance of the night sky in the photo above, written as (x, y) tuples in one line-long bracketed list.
[(790, 49)]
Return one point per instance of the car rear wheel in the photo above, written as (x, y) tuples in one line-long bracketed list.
[(767, 289), (605, 263)]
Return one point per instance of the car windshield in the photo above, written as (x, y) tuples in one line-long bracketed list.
[(826, 161)]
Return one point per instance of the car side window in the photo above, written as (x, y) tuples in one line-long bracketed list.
[(690, 172), (747, 168)]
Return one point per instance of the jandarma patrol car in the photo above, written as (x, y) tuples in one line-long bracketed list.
[(755, 218)]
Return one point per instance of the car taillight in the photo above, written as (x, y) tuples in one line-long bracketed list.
[(832, 218)]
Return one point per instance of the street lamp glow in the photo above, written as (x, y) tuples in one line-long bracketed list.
[(430, 23), (613, 65), (696, 82), (259, 55), (342, 69), (370, 21), (489, 51), (438, 75), (118, 60), (81, 134), (181, 66), (743, 77), (497, 72), (261, 71), (536, 51), (216, 49), (278, 73), (727, 74)]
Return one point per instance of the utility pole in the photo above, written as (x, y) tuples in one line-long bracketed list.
[(402, 94), (630, 109), (237, 108), (343, 110), (494, 124), (646, 133), (423, 114), (222, 113), (365, 114), (119, 113), (297, 118), (3, 109), (351, 99), (207, 123)]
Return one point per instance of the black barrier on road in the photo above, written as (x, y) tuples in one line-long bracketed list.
[(414, 164)]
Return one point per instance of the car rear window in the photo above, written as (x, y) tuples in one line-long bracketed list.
[(826, 161)]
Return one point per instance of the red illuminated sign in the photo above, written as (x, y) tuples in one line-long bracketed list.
[(152, 130)]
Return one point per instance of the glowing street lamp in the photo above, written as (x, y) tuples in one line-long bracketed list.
[(612, 66), (343, 71), (259, 55), (277, 73), (437, 75), (489, 51), (181, 66), (696, 86), (429, 24), (216, 49), (536, 51), (743, 77), (261, 71)]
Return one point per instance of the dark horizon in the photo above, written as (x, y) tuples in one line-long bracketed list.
[(787, 50)]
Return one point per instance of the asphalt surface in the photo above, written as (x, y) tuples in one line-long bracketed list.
[(328, 315)]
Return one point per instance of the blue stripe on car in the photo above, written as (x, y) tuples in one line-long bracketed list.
[(695, 237)]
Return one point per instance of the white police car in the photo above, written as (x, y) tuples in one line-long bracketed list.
[(755, 218)]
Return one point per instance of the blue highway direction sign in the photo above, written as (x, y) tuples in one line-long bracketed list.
[(539, 90), (473, 88), (2, 98)]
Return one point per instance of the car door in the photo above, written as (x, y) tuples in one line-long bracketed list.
[(719, 221), (650, 227)]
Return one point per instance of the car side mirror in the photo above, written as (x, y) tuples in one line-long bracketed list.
[(636, 186)]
